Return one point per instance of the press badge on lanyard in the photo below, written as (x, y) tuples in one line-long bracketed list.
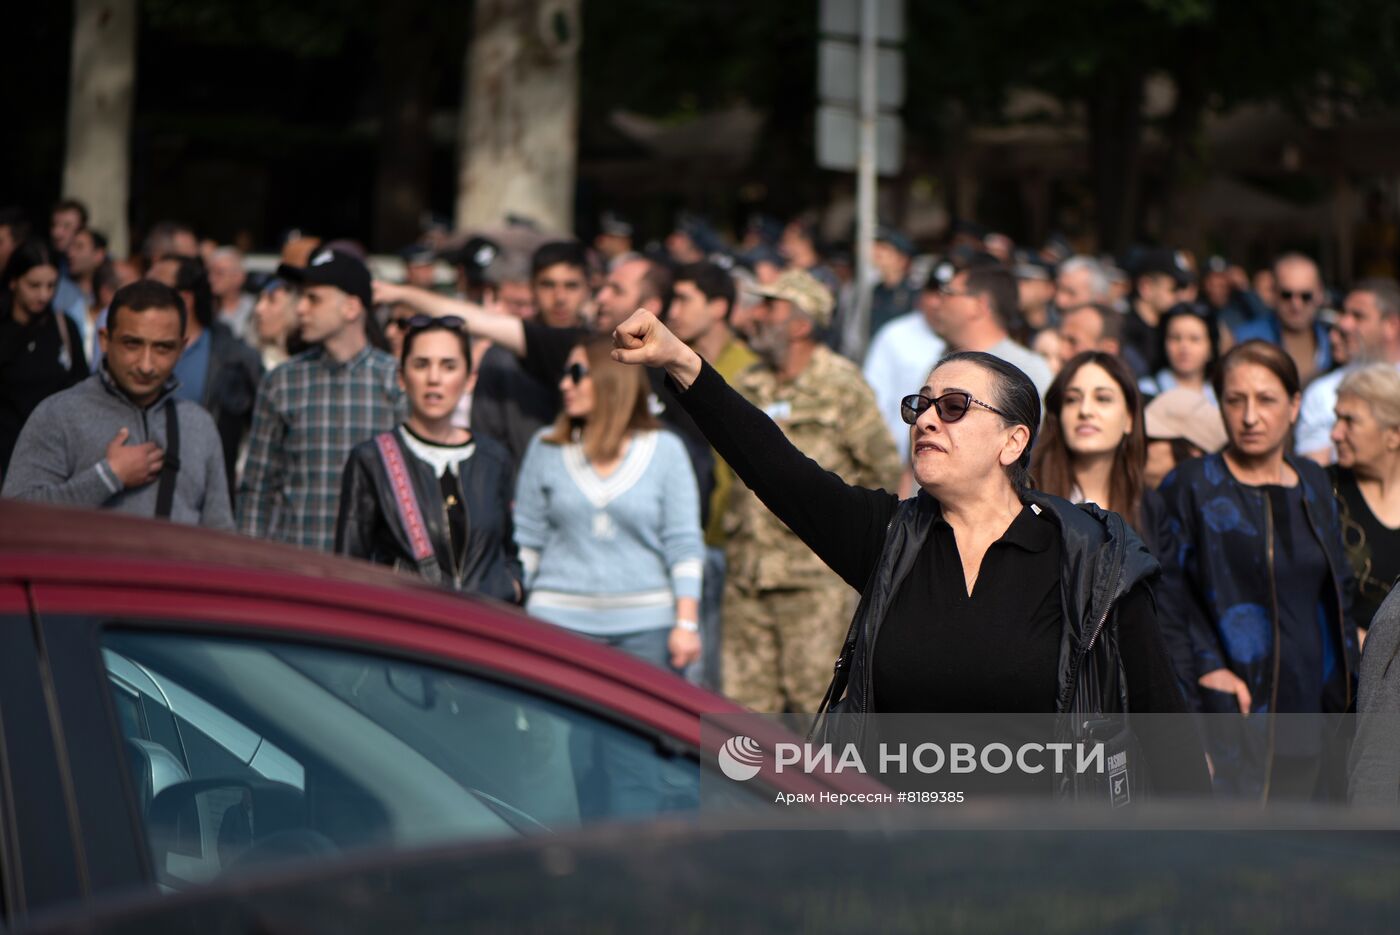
[(778, 411)]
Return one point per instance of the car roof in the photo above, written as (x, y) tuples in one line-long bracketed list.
[(67, 546), (32, 528)]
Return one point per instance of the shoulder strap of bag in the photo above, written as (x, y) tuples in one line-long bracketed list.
[(402, 484), (66, 356), (165, 493)]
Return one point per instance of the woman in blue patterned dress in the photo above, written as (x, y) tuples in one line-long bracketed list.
[(1255, 591)]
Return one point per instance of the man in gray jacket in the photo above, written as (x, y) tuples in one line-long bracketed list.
[(120, 440)]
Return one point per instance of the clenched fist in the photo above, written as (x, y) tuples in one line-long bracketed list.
[(642, 339), (134, 465)]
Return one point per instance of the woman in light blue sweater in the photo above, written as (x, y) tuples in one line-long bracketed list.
[(607, 517)]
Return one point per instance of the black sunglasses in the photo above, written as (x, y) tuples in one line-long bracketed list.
[(1290, 294), (576, 373), (421, 322), (950, 406)]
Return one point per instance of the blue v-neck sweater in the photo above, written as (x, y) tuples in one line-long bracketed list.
[(609, 555)]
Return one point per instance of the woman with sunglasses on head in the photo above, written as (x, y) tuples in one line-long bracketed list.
[(1256, 588), (1190, 344), (431, 497), (607, 517), (979, 594)]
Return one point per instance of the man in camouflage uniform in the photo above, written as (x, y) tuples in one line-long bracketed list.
[(785, 612)]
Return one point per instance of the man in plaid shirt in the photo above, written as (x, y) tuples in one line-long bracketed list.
[(316, 407)]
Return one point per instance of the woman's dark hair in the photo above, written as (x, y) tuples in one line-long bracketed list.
[(413, 333), (1053, 464), (31, 253), (1014, 394), (25, 257), (1202, 314), (1269, 356)]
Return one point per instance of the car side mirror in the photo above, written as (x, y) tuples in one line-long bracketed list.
[(200, 828)]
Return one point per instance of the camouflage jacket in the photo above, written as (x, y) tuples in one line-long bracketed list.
[(829, 413)]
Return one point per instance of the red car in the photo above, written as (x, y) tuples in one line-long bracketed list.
[(175, 703)]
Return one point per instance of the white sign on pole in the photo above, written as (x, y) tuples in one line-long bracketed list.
[(838, 141), (842, 18), (838, 75)]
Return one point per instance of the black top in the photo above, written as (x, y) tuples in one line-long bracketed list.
[(1310, 660), (941, 650), (35, 363), (1003, 633), (846, 526), (510, 405), (451, 489), (1372, 547)]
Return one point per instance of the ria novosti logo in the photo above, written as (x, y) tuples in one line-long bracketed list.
[(740, 758)]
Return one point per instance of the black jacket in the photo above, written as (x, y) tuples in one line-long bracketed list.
[(873, 540), (369, 526), (230, 390), (1103, 561)]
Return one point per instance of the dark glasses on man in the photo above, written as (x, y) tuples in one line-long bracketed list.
[(419, 322), (950, 406), (576, 373), (1289, 294)]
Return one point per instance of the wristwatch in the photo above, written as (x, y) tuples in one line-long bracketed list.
[(692, 626)]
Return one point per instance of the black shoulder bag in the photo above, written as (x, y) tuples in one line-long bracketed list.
[(165, 493)]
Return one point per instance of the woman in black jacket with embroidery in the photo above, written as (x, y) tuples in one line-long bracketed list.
[(978, 594), (430, 497)]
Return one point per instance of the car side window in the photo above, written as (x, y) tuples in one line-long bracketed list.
[(271, 751)]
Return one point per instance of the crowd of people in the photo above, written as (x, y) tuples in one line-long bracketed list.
[(951, 472)]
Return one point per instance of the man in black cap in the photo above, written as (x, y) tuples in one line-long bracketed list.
[(420, 266), (316, 407), (894, 295), (1158, 278)]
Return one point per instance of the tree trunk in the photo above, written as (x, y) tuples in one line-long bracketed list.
[(519, 132), (97, 163), (407, 64), (1115, 142)]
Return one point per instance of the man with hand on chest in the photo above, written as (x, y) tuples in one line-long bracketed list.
[(120, 439)]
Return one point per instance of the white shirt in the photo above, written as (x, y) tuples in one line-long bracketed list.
[(900, 358)]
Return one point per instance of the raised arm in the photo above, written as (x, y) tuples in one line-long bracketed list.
[(505, 330), (844, 525)]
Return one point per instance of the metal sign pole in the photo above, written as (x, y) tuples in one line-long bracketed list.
[(865, 175)]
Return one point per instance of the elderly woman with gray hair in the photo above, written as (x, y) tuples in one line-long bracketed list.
[(1366, 481)]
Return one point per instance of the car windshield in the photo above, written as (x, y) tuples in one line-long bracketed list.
[(337, 750)]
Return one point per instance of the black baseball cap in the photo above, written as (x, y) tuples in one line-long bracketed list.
[(1165, 262), (331, 267)]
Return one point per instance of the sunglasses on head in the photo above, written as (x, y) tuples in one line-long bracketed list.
[(576, 373), (419, 322), (950, 406), (1287, 294)]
